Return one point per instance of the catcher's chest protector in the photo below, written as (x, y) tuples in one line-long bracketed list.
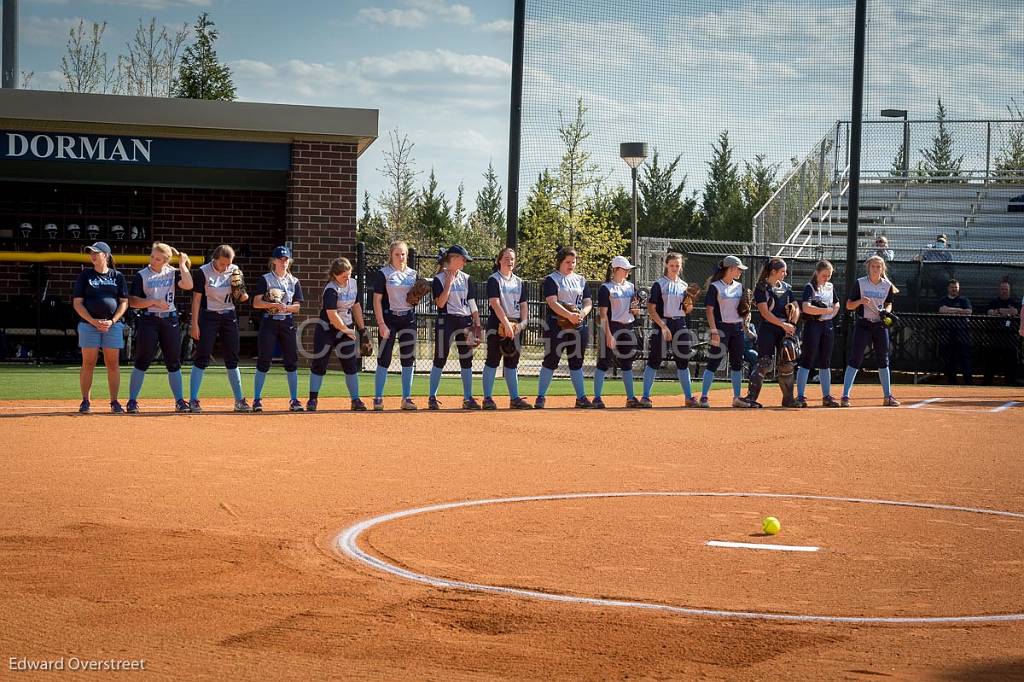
[(217, 287)]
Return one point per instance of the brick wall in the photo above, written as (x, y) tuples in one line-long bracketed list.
[(321, 212)]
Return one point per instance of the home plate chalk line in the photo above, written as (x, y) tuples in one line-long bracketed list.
[(759, 545), (347, 543)]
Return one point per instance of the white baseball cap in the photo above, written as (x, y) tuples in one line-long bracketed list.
[(622, 262)]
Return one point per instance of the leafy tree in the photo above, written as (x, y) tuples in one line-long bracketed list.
[(85, 66), (940, 161), (151, 65), (398, 200), (577, 174), (371, 228), (202, 75)]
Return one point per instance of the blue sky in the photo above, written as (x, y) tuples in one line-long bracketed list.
[(776, 73)]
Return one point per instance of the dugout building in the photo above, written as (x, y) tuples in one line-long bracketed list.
[(75, 168)]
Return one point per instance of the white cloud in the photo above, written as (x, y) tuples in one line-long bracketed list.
[(48, 32), (434, 62), (417, 13), (398, 18), (498, 26)]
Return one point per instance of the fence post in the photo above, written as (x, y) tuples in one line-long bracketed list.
[(988, 149), (412, 257), (361, 273)]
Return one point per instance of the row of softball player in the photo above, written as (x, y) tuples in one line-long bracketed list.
[(101, 297)]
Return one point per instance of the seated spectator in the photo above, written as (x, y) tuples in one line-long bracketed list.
[(1001, 356), (955, 334), (882, 249)]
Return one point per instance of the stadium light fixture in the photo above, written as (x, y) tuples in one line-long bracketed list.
[(633, 153), (902, 113)]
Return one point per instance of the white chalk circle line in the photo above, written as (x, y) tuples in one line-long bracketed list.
[(347, 544)]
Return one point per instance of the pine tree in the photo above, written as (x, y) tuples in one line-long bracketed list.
[(201, 75), (722, 203), (434, 214), (664, 210), (490, 207), (1010, 162), (940, 161), (459, 212)]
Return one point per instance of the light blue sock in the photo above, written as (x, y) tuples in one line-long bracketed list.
[(407, 382), (195, 382), (435, 381), (737, 382), (705, 388), (544, 381), (802, 374), (235, 379), (315, 382), (886, 379), (825, 377), (352, 382), (135, 385), (627, 380), (576, 376), (848, 378), (293, 384), (467, 382), (379, 377), (598, 383), (512, 381), (174, 379), (489, 374), (257, 388), (684, 380), (649, 375)]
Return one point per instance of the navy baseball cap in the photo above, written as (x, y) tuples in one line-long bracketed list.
[(99, 247), (458, 250), (282, 252)]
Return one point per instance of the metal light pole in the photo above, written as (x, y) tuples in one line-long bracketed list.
[(633, 153), (902, 113), (9, 60)]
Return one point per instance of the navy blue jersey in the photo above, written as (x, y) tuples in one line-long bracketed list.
[(825, 293), (961, 302), (667, 297), (340, 298), (151, 285), (724, 299), (459, 296), (510, 292), (775, 296), (880, 295), (393, 286), (101, 293), (997, 303), (616, 298)]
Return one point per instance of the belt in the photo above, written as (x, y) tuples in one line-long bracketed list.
[(285, 316), (401, 313), (169, 313), (221, 312)]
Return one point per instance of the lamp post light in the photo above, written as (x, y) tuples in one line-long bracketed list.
[(633, 153), (902, 113)]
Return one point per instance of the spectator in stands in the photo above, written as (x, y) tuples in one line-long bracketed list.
[(1001, 355), (936, 265), (882, 249), (955, 332)]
